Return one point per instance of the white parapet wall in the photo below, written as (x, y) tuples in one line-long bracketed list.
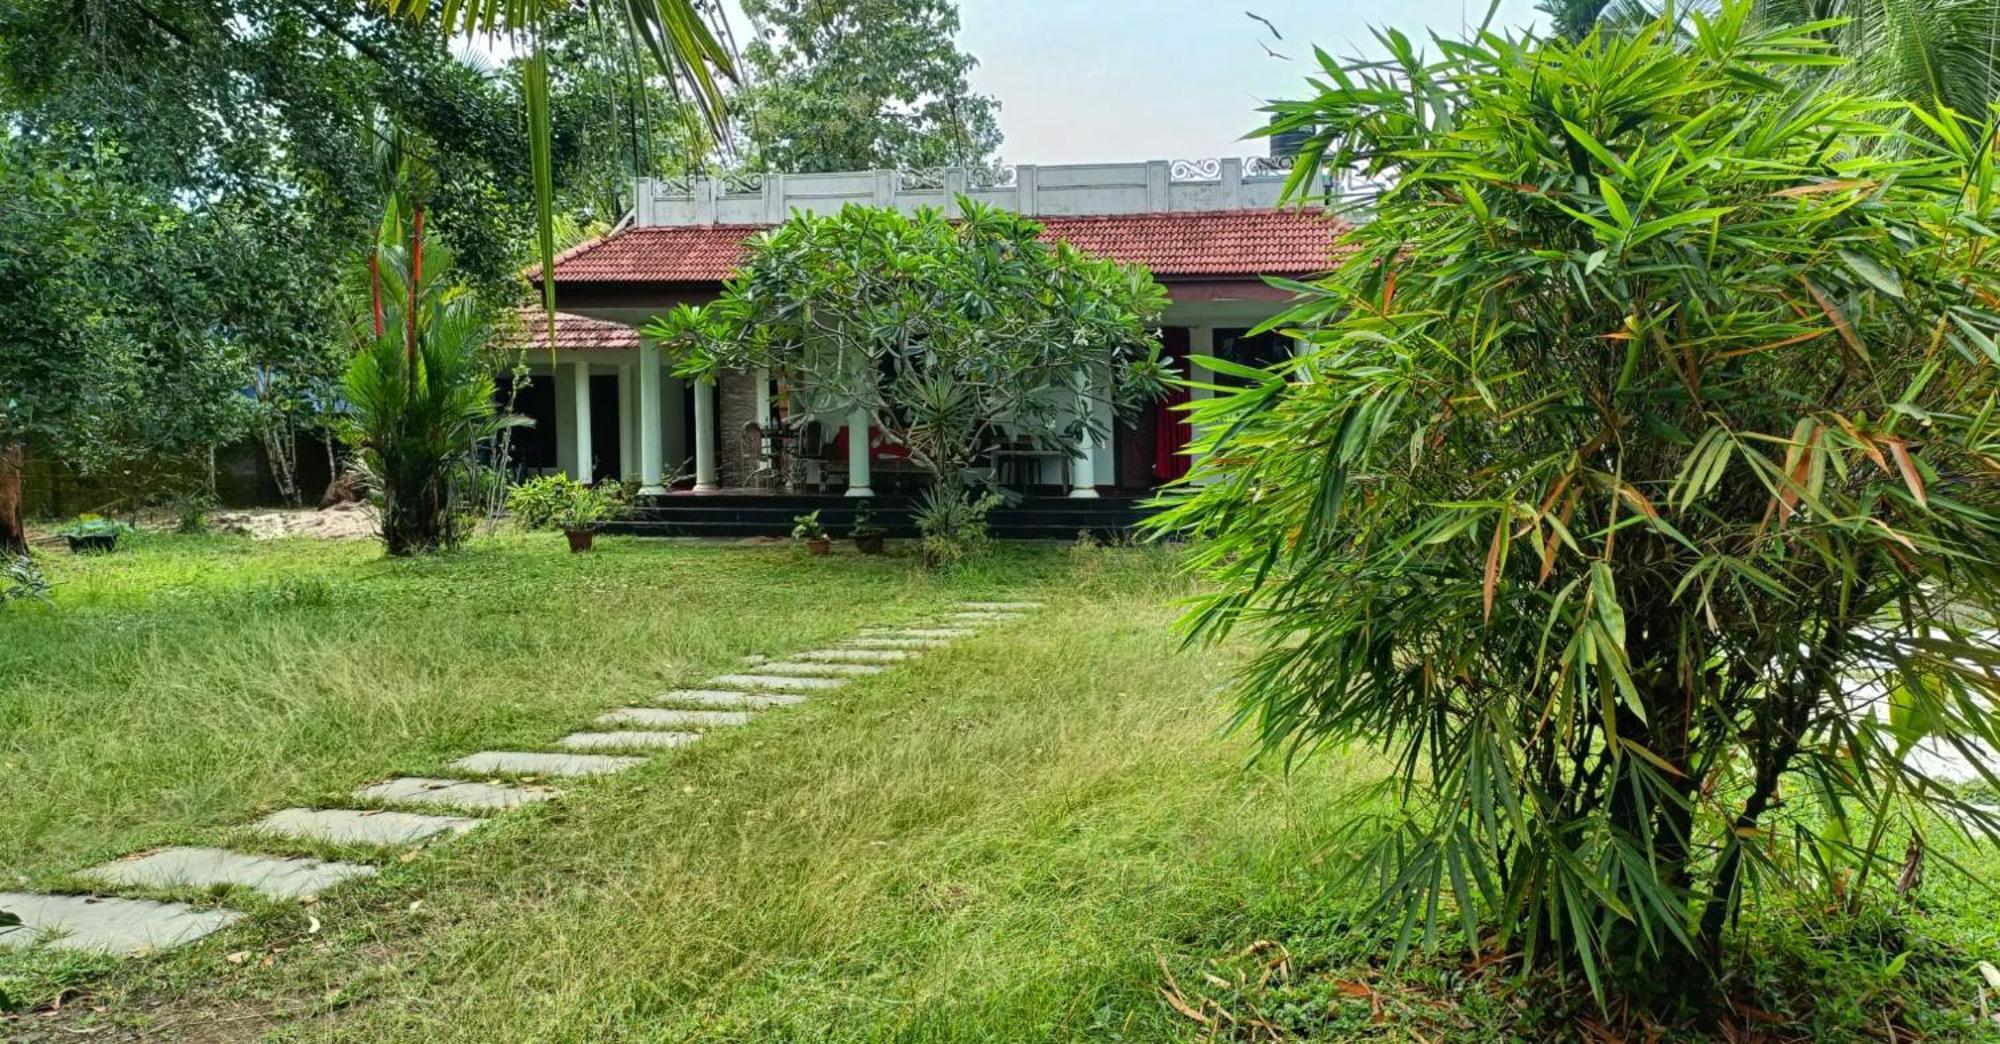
[(1069, 190)]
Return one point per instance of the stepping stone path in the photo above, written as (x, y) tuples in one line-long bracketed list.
[(452, 793), (346, 826), (452, 806), (627, 740), (115, 926), (275, 877)]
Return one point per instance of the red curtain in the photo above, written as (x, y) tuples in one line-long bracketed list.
[(1171, 430)]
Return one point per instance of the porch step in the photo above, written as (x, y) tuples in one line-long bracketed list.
[(744, 514)]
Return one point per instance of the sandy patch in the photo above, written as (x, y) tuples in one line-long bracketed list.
[(340, 522)]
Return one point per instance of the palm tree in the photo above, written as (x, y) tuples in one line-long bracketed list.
[(1933, 52), (682, 39)]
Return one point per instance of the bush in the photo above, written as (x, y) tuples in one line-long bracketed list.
[(23, 580), (538, 503), (952, 524), (1641, 448)]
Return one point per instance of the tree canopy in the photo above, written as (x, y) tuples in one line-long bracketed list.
[(947, 332), (1638, 490), (861, 85)]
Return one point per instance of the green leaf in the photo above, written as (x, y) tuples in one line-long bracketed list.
[(1874, 274)]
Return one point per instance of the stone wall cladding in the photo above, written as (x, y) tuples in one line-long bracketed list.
[(735, 407)]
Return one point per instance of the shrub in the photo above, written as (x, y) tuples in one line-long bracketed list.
[(1641, 445), (952, 524), (537, 503), (23, 580)]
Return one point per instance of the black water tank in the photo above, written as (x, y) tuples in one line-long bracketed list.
[(1286, 144)]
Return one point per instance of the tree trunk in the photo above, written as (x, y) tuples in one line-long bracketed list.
[(13, 531)]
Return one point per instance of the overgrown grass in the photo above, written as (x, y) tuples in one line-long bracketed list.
[(1008, 840)]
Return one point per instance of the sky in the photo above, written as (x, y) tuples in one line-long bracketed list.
[(1126, 80)]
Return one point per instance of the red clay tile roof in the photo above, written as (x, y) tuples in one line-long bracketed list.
[(572, 331), (1225, 244)]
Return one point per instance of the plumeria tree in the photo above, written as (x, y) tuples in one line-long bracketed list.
[(949, 333), (1639, 491)]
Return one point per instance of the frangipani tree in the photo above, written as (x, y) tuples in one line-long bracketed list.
[(945, 331), (1639, 491)]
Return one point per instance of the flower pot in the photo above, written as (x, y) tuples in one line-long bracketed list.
[(869, 543), (819, 545), (95, 544), (580, 539)]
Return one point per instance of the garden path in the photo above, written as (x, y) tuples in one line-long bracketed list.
[(415, 810)]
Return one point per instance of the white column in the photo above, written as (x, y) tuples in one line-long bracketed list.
[(649, 420), (1201, 341), (628, 464), (704, 437), (763, 416), (1083, 469), (858, 455), (579, 383)]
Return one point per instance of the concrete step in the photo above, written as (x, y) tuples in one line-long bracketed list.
[(776, 682), (729, 698)]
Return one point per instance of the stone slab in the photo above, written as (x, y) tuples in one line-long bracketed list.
[(346, 826), (664, 717), (956, 619), (114, 926), (208, 867), (903, 644), (730, 698), (857, 655), (810, 668), (453, 793), (779, 682), (998, 607), (627, 740), (526, 763), (925, 632)]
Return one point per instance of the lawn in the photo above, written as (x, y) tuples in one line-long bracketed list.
[(1026, 836)]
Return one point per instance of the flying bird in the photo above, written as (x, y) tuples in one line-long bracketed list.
[(1275, 34), (1274, 54)]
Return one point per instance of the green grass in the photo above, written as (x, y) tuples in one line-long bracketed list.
[(1003, 841)]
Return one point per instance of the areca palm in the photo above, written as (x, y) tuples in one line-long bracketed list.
[(681, 39)]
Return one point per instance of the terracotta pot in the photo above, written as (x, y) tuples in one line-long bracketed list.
[(819, 545), (580, 539), (870, 544)]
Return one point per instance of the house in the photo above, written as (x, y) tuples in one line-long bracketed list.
[(1210, 231)]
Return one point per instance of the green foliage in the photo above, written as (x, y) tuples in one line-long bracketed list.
[(952, 522), (949, 334), (88, 526), (864, 520), (862, 85), (1940, 53), (420, 396), (536, 503), (1640, 449), (22, 580), (587, 507), (807, 527)]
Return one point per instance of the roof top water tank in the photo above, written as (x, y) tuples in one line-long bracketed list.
[(1286, 144)]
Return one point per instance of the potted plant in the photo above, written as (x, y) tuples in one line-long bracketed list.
[(808, 529), (867, 533), (93, 533), (582, 513)]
